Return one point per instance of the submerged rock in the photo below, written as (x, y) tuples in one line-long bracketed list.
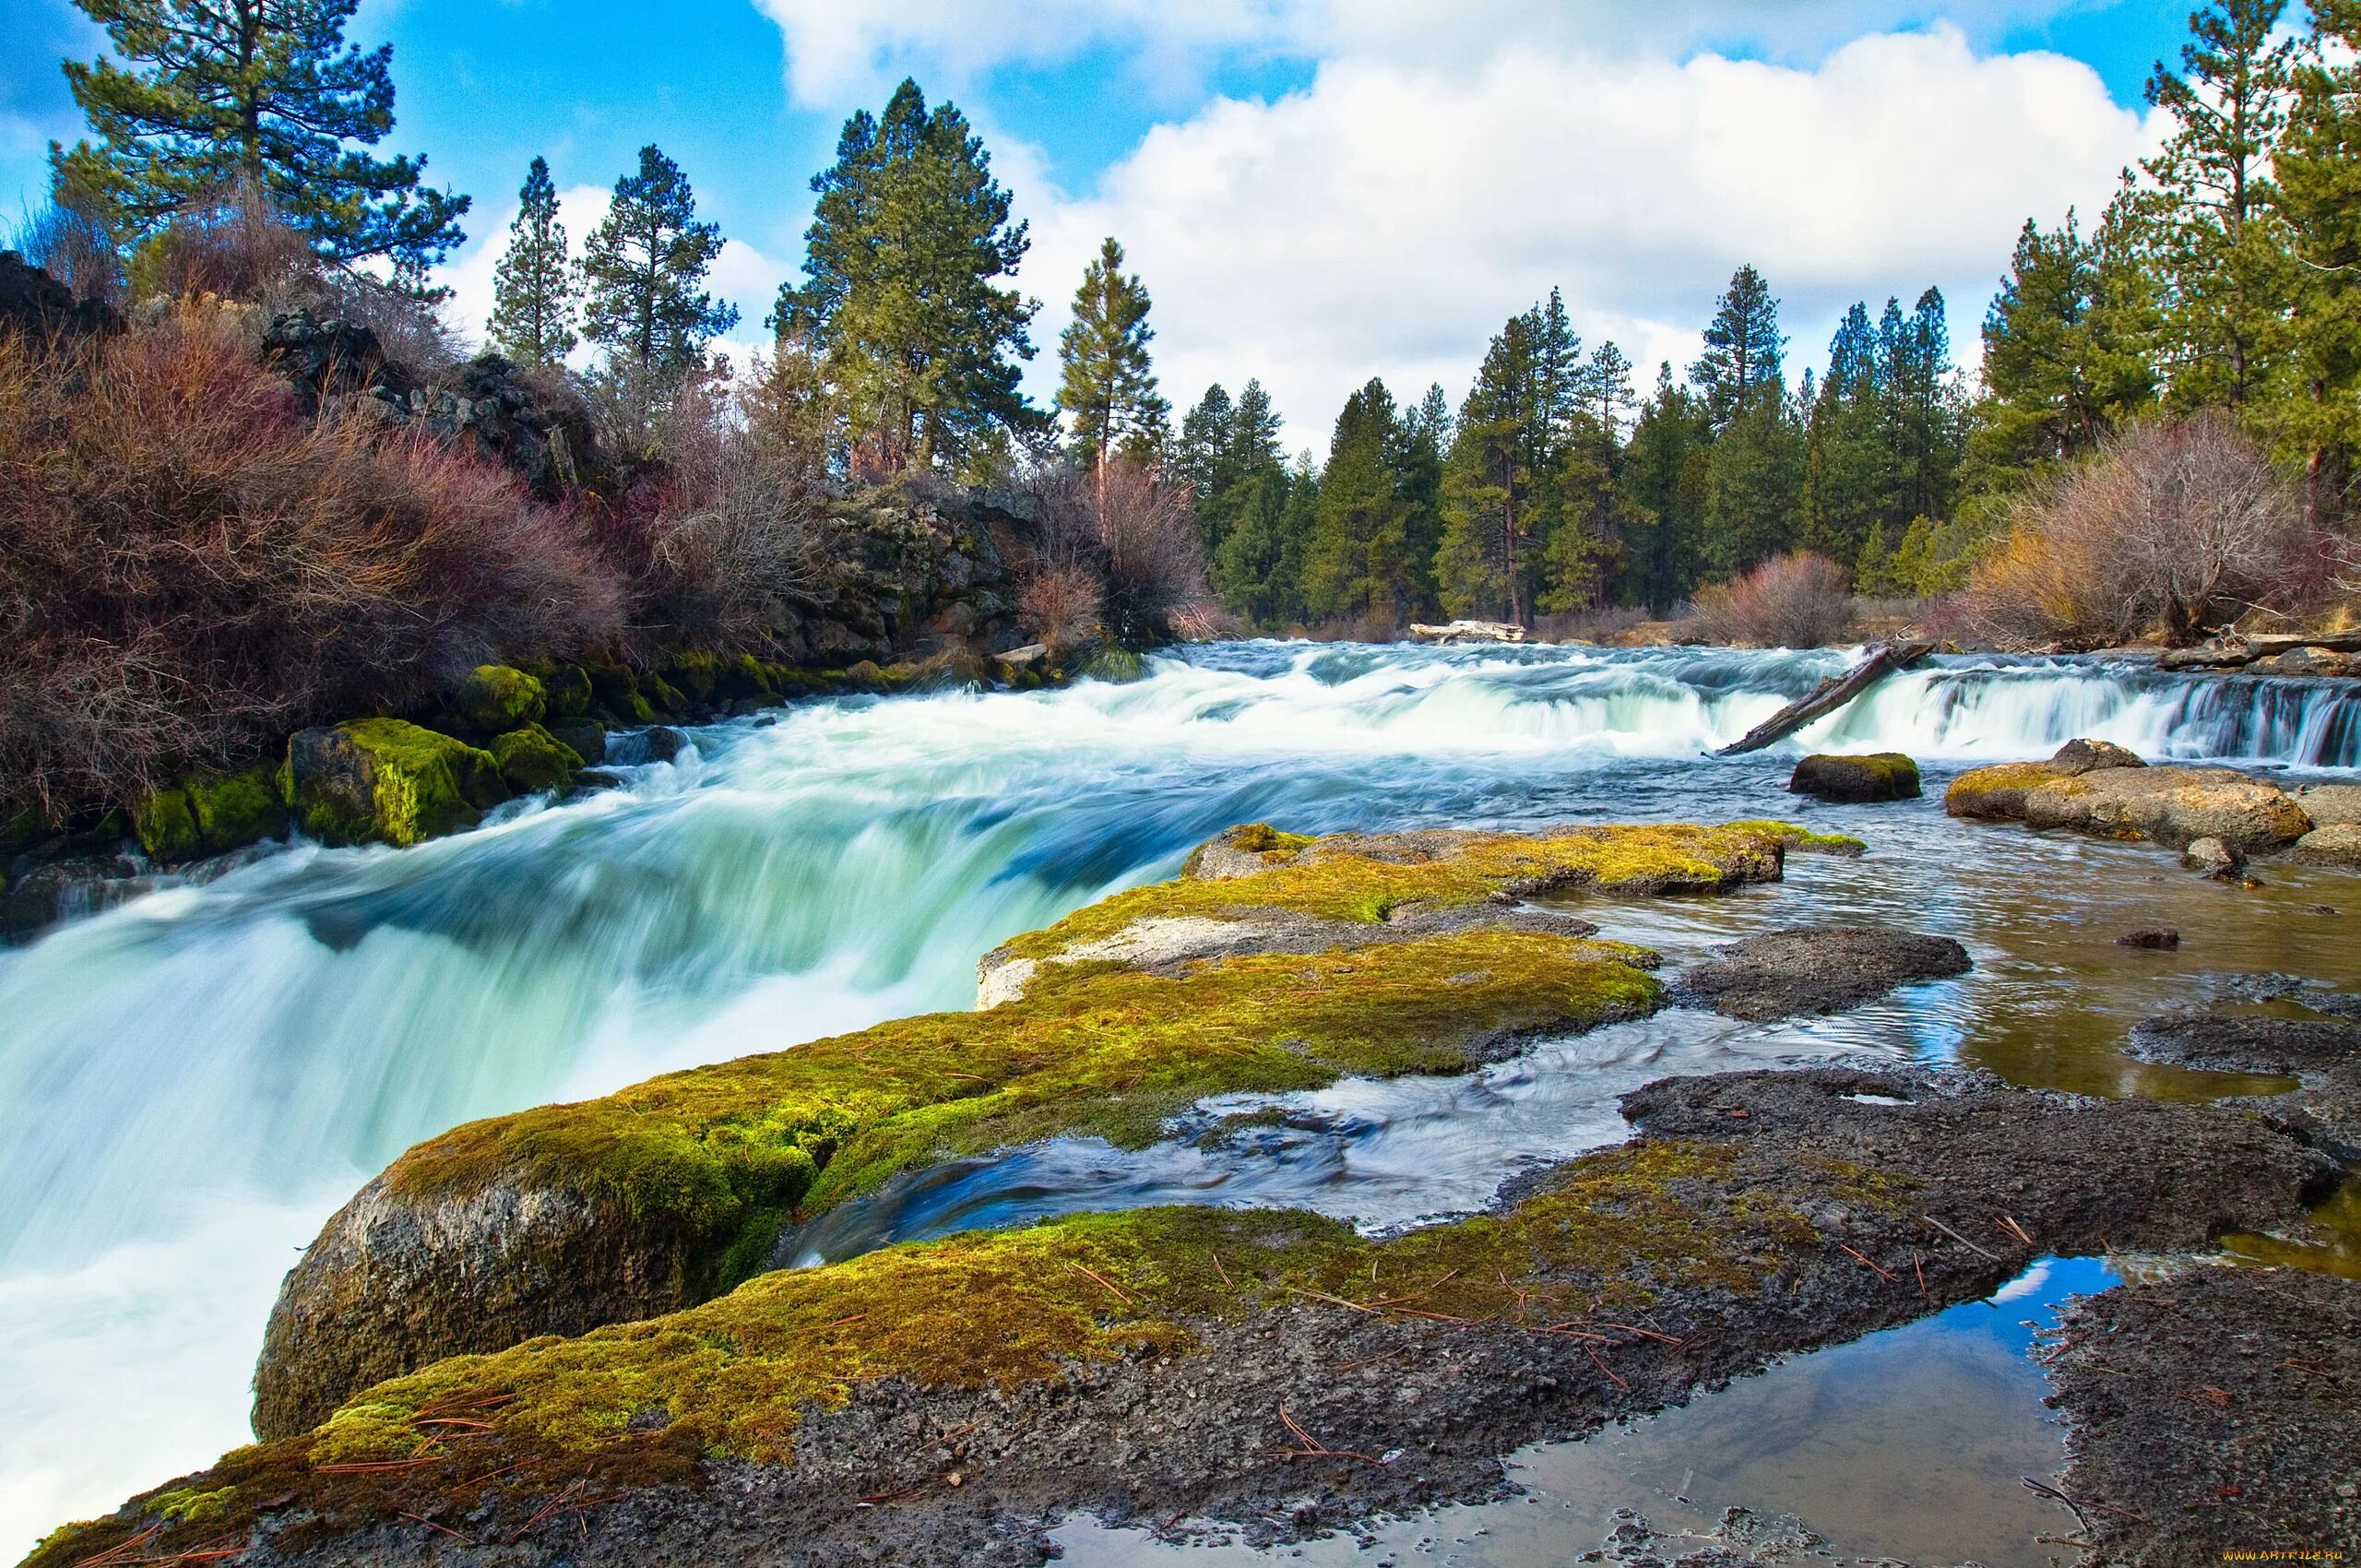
[(2085, 788), (1786, 974), (384, 781), (2157, 938), (1882, 776)]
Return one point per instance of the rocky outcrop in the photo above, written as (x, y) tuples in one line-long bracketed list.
[(1788, 974), (1882, 776), (2210, 1415), (2338, 845), (951, 1401), (706, 1167), (2322, 1056), (43, 311), (384, 781), (2090, 791)]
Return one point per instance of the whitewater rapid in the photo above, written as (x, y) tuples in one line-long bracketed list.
[(191, 1083)]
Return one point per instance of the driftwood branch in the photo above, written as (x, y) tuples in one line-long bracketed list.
[(1830, 695)]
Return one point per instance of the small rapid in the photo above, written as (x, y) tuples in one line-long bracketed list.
[(190, 1083)]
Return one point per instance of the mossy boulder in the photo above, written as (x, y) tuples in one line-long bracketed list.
[(745, 678), (586, 737), (386, 781), (1882, 776), (864, 676), (698, 676), (2172, 806), (569, 692), (531, 760), (211, 815), (615, 692), (663, 696), (494, 699)]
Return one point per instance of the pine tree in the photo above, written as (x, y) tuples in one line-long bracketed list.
[(1358, 564), (535, 293), (643, 268), (1484, 566), (1848, 459), (901, 287), (1924, 409), (1754, 486), (1743, 348), (2222, 253), (1254, 431), (2318, 420), (1109, 391), (1663, 489), (1201, 452), (203, 96)]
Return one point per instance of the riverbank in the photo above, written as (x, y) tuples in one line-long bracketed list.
[(856, 857)]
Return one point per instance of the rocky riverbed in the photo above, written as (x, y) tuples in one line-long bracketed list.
[(637, 1389)]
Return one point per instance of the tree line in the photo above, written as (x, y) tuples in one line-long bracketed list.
[(2221, 276)]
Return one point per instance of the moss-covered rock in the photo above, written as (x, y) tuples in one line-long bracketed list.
[(663, 696), (211, 815), (615, 694), (494, 699), (1880, 775), (863, 676), (384, 781), (586, 737), (531, 760), (569, 692), (698, 676), (2173, 806)]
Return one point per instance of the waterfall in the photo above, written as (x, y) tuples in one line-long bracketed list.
[(189, 1083)]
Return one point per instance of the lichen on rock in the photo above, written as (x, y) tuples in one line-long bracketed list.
[(2087, 790)]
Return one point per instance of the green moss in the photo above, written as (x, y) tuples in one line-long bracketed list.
[(568, 690), (615, 691), (211, 815), (1339, 879), (2000, 790), (1093, 1050), (865, 676), (166, 826), (531, 760), (1116, 666), (186, 1505), (494, 699), (662, 694), (698, 674), (1803, 840), (393, 782)]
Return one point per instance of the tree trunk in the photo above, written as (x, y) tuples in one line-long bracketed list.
[(1830, 695)]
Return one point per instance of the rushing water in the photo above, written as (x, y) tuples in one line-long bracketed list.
[(189, 1084)]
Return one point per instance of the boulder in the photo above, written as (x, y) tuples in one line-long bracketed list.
[(2212, 857), (532, 760), (1882, 776), (568, 691), (211, 815), (2077, 757), (2111, 798), (2339, 845), (384, 781), (586, 737), (494, 699), (2331, 805), (615, 694), (43, 309), (1812, 969)]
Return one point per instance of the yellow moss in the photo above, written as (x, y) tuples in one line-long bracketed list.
[(1101, 1050), (186, 1505), (1803, 840), (1339, 878), (2000, 790)]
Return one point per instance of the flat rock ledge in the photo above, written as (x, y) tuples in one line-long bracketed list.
[(2323, 1055), (1279, 962), (2212, 1412), (1811, 969), (951, 1401), (2100, 788)]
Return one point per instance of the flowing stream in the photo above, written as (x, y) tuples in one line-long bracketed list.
[(191, 1083)]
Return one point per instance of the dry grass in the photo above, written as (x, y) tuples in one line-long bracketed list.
[(189, 569)]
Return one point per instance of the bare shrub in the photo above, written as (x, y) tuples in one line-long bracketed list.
[(233, 245), (189, 569), (2171, 525), (70, 241), (1063, 607), (1135, 533), (1795, 600)]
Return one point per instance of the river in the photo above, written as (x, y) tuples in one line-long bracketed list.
[(191, 1083)]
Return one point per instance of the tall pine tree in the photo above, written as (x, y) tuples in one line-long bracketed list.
[(1744, 351), (535, 292), (1109, 391), (2317, 422), (903, 290), (1360, 564), (644, 267), (203, 96)]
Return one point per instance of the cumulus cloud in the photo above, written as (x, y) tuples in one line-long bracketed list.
[(841, 49), (1385, 219)]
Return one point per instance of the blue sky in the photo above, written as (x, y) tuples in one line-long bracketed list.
[(1316, 190)]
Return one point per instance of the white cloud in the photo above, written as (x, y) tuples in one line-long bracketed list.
[(844, 49), (740, 274), (1386, 219)]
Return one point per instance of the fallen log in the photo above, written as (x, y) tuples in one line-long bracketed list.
[(1830, 695), (1470, 632), (2233, 651)]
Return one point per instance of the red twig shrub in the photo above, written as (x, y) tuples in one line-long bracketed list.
[(1063, 607), (189, 569), (2172, 524), (1136, 535), (1790, 602)]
